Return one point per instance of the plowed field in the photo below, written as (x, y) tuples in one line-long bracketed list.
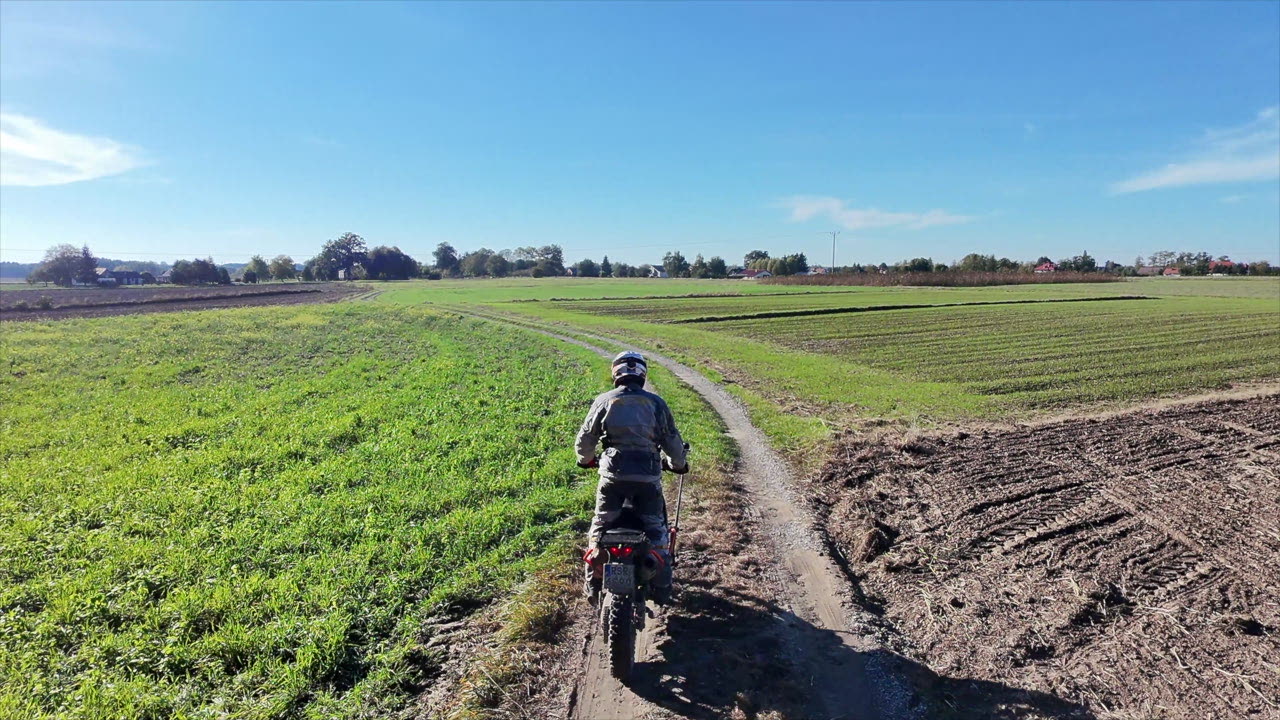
[(1128, 563)]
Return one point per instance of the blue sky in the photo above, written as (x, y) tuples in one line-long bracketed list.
[(157, 130)]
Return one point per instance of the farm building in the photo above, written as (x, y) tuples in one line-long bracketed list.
[(127, 277), (1171, 272), (1148, 270), (752, 274), (1046, 267), (165, 277), (1219, 266), (656, 271)]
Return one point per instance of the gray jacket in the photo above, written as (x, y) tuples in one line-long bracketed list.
[(636, 428)]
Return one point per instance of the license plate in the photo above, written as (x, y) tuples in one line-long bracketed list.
[(619, 578)]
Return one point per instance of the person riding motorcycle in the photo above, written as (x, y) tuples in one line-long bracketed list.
[(636, 429)]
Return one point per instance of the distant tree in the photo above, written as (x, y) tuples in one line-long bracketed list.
[(606, 268), (753, 256), (389, 263), (698, 269), (1260, 267), (1046, 259), (644, 270), (498, 266), (975, 262), (586, 268), (1163, 258), (309, 270), (915, 265), (61, 265), (282, 268), (249, 276), (550, 258), (716, 267), (344, 252), (475, 263), (623, 270), (182, 273), (446, 259), (258, 267), (675, 264), (87, 267)]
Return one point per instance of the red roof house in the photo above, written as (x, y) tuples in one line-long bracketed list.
[(1172, 271), (1046, 267)]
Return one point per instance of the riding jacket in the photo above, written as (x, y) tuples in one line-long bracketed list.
[(635, 428)]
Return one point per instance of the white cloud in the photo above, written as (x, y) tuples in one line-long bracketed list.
[(808, 207), (1233, 199), (34, 154), (1249, 152)]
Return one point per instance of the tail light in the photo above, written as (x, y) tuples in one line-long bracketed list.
[(621, 552)]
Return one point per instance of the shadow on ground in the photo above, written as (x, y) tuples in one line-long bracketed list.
[(726, 652)]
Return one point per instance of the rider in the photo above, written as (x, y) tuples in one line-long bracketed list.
[(637, 429)]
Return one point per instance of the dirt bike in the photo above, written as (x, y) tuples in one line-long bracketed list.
[(629, 565)]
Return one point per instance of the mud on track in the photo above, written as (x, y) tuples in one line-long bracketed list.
[(1129, 563)]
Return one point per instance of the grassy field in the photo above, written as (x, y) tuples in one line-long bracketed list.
[(932, 354), (253, 513)]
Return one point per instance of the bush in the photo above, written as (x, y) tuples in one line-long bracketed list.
[(433, 275), (21, 305), (44, 302)]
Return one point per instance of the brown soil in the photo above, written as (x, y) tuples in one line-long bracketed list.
[(1126, 563), (102, 302)]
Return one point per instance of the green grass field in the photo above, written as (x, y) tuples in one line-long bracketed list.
[(931, 354), (252, 513)]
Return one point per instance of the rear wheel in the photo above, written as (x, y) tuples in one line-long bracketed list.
[(621, 636)]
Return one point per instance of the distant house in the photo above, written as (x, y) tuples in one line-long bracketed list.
[(1220, 266), (818, 270), (1148, 270), (165, 277), (127, 277), (752, 274), (1046, 267), (1171, 272), (656, 271)]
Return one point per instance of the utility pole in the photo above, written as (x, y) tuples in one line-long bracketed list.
[(834, 233)]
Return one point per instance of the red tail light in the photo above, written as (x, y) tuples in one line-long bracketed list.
[(623, 551)]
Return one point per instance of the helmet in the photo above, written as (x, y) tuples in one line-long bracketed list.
[(629, 366)]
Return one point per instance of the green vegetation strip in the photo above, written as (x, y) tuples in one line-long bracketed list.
[(251, 513), (882, 308)]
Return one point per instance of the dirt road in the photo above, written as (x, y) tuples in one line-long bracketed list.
[(764, 624)]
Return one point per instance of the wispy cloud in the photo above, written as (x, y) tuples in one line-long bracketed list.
[(808, 207), (1249, 152), (1233, 199), (34, 154)]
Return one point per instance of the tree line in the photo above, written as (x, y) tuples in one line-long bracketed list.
[(348, 257)]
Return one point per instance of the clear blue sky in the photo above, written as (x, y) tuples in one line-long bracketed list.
[(157, 130)]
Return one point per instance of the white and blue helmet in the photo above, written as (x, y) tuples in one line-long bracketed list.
[(629, 365)]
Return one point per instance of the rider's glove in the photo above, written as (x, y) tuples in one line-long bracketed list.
[(593, 463)]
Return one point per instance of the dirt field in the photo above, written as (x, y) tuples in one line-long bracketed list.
[(97, 302), (1126, 563)]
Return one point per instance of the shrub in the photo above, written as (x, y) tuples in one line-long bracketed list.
[(44, 302)]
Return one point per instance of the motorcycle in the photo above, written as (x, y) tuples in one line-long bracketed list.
[(629, 564)]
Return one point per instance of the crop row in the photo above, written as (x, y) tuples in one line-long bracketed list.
[(712, 309), (1050, 353)]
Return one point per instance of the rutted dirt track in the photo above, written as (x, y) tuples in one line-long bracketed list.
[(763, 622), (1130, 563)]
